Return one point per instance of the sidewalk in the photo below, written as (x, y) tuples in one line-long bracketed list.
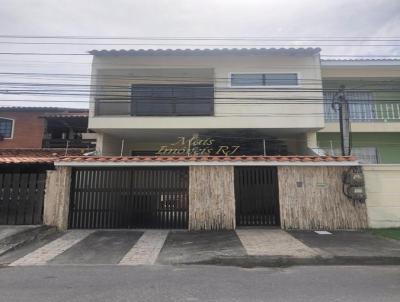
[(245, 247), (15, 236), (252, 247)]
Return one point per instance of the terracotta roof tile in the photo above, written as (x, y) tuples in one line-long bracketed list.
[(50, 152), (27, 160), (90, 159), (35, 156)]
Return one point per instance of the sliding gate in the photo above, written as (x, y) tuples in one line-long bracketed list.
[(139, 197), (256, 194)]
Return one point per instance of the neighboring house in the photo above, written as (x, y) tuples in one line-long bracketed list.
[(266, 101), (44, 127), (373, 91)]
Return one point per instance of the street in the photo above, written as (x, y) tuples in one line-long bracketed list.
[(199, 283)]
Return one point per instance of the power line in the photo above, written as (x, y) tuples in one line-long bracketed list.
[(88, 54), (258, 38), (202, 44), (41, 62), (179, 78)]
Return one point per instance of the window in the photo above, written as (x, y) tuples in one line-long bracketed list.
[(264, 79), (172, 100), (6, 126)]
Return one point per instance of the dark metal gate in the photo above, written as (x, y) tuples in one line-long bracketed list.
[(21, 198), (139, 197), (256, 194)]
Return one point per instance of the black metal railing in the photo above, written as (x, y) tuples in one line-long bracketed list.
[(68, 143)]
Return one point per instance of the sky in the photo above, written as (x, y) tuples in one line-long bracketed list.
[(291, 19)]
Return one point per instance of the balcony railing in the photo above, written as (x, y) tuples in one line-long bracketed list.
[(367, 112), (366, 155), (68, 143)]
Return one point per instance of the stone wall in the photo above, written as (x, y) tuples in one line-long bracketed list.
[(56, 198), (211, 198), (312, 198)]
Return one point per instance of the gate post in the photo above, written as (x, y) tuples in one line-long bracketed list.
[(211, 198), (56, 198)]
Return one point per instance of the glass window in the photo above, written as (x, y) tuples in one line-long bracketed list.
[(6, 128), (247, 79), (171, 100), (281, 79), (264, 79)]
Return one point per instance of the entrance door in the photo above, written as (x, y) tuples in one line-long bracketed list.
[(256, 194), (145, 197)]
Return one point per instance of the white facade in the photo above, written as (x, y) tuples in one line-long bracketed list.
[(280, 111)]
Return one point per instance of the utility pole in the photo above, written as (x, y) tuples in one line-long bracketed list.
[(342, 104)]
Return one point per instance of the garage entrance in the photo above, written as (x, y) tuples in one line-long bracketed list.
[(134, 197), (256, 195)]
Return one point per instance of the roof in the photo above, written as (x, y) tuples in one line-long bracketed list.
[(35, 156), (204, 160), (206, 51), (360, 62), (48, 109), (26, 160)]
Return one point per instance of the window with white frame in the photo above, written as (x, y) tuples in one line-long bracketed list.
[(6, 127), (264, 79)]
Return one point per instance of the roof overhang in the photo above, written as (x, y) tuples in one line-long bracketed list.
[(206, 52), (360, 62)]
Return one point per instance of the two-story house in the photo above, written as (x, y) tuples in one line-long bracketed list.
[(261, 101), (255, 101)]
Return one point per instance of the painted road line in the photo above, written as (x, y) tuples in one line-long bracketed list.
[(146, 250), (52, 249), (273, 242)]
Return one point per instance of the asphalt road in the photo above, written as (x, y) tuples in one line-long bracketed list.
[(199, 283)]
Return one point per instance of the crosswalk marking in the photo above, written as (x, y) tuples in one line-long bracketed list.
[(49, 251), (146, 250)]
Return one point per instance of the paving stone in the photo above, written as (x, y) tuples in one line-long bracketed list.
[(273, 242), (147, 248), (47, 252)]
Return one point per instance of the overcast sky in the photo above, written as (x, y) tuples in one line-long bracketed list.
[(177, 18)]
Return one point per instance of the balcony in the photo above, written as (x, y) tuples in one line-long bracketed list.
[(367, 111), (161, 100)]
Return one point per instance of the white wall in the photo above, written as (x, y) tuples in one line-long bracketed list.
[(383, 195), (248, 115), (108, 145)]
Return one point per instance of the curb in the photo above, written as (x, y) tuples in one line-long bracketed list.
[(271, 261)]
